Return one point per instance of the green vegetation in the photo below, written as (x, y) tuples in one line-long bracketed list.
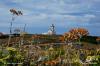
[(62, 55), (70, 49), (89, 39)]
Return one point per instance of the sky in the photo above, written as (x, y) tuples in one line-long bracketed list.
[(38, 15)]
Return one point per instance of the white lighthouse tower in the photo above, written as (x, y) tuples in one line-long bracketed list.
[(51, 30)]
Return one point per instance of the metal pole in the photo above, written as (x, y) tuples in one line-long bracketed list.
[(24, 28), (13, 18)]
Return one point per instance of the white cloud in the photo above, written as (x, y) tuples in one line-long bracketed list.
[(18, 1), (89, 16), (46, 12)]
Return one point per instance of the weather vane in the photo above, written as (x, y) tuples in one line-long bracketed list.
[(14, 13)]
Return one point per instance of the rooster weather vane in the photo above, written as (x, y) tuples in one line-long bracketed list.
[(14, 13)]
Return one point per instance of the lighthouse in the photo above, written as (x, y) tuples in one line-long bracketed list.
[(51, 30)]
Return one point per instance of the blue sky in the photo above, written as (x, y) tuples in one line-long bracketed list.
[(40, 14)]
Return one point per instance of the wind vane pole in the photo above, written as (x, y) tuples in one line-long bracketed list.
[(14, 13), (24, 28)]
